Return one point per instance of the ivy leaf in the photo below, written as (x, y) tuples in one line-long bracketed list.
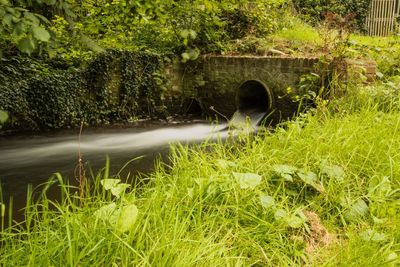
[(7, 20), (247, 180), (3, 116), (185, 56), (267, 201), (26, 45), (31, 17), (127, 218), (109, 183), (192, 34), (184, 34), (40, 33)]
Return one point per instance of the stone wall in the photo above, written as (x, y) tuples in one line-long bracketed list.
[(215, 80)]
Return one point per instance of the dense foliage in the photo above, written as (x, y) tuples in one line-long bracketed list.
[(314, 10), (116, 86), (24, 23), (186, 26)]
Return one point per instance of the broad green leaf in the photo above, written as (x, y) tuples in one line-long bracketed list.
[(294, 221), (280, 214), (287, 177), (284, 169), (32, 18), (185, 56), (127, 218), (267, 201), (19, 28), (7, 20), (3, 116), (380, 187), (109, 183), (225, 164), (392, 257), (248, 180), (372, 235), (40, 33), (308, 177), (357, 211), (194, 54), (105, 212), (184, 34), (334, 171), (118, 189), (26, 45), (192, 34)]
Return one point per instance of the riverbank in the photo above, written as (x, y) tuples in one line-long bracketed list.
[(321, 190)]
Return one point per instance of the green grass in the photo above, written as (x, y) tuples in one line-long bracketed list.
[(320, 190), (300, 32)]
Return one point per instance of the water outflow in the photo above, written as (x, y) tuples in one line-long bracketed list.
[(244, 119), (32, 160), (19, 156)]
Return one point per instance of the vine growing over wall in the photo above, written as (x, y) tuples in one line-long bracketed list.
[(115, 86)]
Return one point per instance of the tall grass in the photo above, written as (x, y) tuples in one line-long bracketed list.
[(322, 189)]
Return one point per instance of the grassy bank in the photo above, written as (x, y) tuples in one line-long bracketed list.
[(320, 190)]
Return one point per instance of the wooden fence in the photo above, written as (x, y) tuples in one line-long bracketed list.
[(383, 17)]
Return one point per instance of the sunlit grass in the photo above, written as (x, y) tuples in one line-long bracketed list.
[(300, 32), (375, 41), (322, 189)]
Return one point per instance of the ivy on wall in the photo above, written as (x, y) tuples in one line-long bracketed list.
[(115, 86)]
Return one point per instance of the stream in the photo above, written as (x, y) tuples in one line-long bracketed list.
[(34, 159)]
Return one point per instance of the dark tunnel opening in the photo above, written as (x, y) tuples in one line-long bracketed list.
[(192, 107), (253, 97)]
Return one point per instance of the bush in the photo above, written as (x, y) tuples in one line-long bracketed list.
[(314, 10)]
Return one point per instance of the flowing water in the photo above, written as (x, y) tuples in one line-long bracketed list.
[(33, 159), (247, 118)]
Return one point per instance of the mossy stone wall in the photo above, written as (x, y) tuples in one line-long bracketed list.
[(217, 79)]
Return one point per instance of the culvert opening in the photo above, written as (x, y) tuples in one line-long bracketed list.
[(253, 101), (192, 107)]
